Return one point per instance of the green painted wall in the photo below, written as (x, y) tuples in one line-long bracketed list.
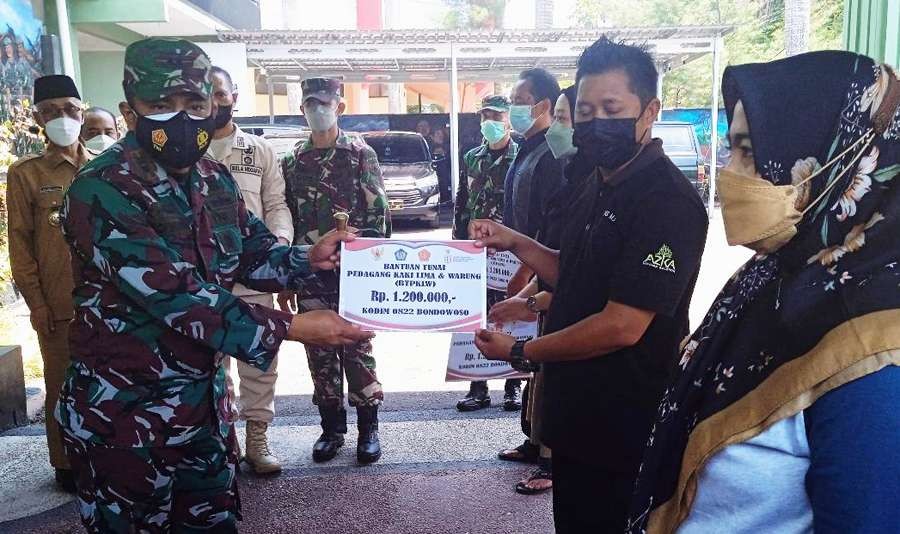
[(872, 27), (101, 78), (116, 11)]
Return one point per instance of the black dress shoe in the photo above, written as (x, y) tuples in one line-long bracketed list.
[(368, 447), (512, 398), (65, 480), (326, 447), (476, 399)]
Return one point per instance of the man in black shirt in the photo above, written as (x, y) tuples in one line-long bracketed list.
[(623, 278), (536, 174)]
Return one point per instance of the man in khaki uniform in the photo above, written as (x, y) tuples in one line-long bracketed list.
[(257, 171), (38, 254)]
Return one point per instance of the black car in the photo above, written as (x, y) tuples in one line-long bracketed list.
[(410, 179), (681, 146)]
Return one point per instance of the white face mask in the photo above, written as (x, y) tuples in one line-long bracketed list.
[(321, 118), (99, 143), (63, 131)]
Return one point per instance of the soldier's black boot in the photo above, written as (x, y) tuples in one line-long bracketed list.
[(512, 395), (368, 448), (334, 426), (476, 399)]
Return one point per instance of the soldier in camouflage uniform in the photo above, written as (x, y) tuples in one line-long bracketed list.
[(480, 196), (159, 236), (328, 173)]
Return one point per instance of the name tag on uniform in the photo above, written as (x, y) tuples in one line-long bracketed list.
[(246, 169), (52, 189)]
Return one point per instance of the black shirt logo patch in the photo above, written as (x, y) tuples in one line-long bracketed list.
[(662, 260)]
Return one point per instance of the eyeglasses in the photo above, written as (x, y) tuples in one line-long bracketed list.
[(50, 112)]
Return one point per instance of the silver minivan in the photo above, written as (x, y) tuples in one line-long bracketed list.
[(410, 179)]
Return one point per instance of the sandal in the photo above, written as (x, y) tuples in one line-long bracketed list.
[(526, 453), (540, 473)]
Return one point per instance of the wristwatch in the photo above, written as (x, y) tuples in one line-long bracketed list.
[(531, 304), (517, 358)]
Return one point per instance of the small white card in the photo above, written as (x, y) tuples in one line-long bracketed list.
[(466, 363), (501, 267)]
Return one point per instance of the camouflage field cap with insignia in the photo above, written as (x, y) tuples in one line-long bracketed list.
[(325, 90), (495, 103), (159, 67)]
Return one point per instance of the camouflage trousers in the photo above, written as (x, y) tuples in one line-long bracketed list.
[(325, 367), (189, 488)]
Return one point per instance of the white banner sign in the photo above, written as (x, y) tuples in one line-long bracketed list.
[(430, 286), (465, 362), (501, 267)]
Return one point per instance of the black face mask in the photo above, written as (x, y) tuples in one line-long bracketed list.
[(606, 143), (175, 143), (224, 116)]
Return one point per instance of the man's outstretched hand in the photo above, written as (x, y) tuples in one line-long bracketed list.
[(325, 328), (325, 255), (494, 345), (493, 236)]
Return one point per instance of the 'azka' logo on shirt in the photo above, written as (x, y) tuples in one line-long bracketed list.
[(661, 260)]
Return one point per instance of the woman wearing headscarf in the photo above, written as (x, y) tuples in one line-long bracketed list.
[(783, 416)]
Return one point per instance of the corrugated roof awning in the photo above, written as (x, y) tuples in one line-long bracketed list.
[(424, 55)]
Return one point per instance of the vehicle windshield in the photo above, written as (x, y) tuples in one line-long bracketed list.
[(675, 138), (399, 149)]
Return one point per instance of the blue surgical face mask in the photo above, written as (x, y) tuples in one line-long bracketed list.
[(520, 118), (559, 139), (493, 131)]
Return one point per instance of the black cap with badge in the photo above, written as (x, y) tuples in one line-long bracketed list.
[(325, 90), (54, 86)]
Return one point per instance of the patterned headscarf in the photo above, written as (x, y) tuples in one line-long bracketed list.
[(823, 310)]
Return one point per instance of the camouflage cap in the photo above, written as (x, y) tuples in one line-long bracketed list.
[(158, 67), (495, 103), (324, 90)]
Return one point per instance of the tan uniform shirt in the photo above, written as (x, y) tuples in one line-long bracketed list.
[(257, 171), (38, 253)]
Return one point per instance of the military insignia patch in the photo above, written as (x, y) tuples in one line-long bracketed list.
[(159, 138), (202, 138), (54, 217), (662, 259)]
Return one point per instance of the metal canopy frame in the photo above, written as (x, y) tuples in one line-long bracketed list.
[(399, 56)]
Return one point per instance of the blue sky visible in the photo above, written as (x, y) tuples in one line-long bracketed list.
[(19, 16)]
